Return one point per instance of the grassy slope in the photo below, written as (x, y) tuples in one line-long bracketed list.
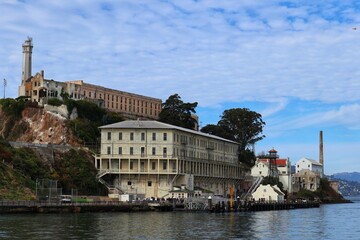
[(14, 185)]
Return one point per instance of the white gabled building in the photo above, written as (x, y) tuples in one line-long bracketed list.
[(268, 193), (151, 159), (312, 165)]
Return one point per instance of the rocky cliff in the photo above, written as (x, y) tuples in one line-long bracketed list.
[(37, 125)]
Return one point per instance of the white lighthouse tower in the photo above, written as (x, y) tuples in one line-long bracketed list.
[(26, 64)]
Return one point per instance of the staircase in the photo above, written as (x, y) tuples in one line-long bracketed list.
[(111, 188), (253, 188)]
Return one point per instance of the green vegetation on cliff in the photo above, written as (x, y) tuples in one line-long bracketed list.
[(75, 170), (21, 167), (325, 193), (89, 118)]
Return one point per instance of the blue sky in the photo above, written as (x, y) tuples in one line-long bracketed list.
[(294, 62)]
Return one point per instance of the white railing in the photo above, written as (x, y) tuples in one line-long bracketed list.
[(253, 187)]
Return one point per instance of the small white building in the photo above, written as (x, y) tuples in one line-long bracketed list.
[(312, 165), (268, 193)]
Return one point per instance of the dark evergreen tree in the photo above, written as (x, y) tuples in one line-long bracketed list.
[(176, 112), (240, 125)]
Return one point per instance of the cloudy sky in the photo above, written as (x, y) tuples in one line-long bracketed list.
[(294, 62)]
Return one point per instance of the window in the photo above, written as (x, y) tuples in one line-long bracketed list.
[(165, 136), (120, 150), (153, 165), (164, 152), (164, 165), (108, 150), (154, 136), (142, 166), (120, 135), (131, 151), (131, 165), (142, 136), (142, 151), (149, 183), (131, 136), (129, 183), (153, 151), (109, 136)]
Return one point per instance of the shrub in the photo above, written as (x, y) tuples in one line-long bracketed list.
[(55, 102), (13, 107)]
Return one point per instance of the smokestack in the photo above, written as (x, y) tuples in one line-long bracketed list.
[(321, 152)]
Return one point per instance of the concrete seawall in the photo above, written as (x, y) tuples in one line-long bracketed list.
[(44, 207)]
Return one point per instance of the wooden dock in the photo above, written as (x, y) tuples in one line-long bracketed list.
[(116, 206)]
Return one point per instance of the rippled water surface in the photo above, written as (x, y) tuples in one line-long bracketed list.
[(337, 221)]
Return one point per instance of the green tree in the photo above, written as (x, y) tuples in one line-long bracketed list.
[(242, 126), (247, 157), (246, 126), (176, 112), (76, 171), (273, 181), (217, 131), (13, 107)]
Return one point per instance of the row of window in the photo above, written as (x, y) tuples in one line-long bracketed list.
[(131, 151), (164, 165), (149, 183), (142, 136), (181, 139), (139, 106), (177, 152), (130, 101)]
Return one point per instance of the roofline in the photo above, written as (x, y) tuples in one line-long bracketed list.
[(168, 126)]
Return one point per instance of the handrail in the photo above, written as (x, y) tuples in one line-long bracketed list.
[(253, 187)]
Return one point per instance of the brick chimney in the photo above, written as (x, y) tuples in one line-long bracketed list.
[(321, 152)]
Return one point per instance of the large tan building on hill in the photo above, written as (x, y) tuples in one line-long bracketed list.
[(39, 89)]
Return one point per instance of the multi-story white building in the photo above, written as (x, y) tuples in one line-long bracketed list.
[(312, 165), (150, 159), (283, 170)]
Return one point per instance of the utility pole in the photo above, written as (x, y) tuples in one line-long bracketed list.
[(5, 83)]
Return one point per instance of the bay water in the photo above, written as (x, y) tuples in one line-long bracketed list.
[(331, 221)]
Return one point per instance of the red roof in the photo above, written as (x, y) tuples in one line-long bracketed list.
[(279, 162)]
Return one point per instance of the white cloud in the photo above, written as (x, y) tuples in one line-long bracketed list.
[(346, 115), (190, 44), (212, 52)]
